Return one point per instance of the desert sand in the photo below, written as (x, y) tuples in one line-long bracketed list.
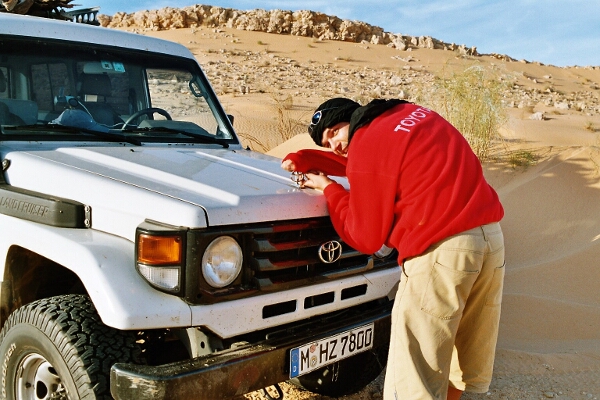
[(549, 344)]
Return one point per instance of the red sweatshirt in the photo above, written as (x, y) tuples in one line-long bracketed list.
[(414, 181)]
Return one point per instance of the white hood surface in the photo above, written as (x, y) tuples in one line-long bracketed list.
[(189, 186)]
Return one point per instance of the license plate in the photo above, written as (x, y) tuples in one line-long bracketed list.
[(315, 355)]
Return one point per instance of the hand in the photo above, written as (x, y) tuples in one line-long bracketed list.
[(288, 165), (316, 181)]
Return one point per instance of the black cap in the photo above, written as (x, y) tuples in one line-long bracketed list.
[(330, 113)]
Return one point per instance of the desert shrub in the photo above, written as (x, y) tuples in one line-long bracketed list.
[(589, 125), (471, 100), (521, 158)]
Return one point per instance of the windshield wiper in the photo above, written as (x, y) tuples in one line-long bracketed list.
[(202, 138), (113, 137)]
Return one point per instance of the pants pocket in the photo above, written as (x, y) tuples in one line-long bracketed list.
[(494, 296), (447, 291)]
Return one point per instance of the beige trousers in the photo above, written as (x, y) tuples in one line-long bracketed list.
[(445, 317)]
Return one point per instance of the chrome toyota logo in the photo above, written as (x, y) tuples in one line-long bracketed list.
[(330, 252), (298, 177)]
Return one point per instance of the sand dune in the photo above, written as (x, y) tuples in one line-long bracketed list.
[(552, 296)]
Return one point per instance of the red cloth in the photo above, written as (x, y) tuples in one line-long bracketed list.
[(318, 160), (414, 181)]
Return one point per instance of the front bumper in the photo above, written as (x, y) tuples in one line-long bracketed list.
[(235, 372)]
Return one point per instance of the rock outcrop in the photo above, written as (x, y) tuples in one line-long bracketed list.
[(298, 23)]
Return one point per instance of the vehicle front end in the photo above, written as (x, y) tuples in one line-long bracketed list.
[(127, 192)]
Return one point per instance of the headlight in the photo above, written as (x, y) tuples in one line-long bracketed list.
[(222, 262)]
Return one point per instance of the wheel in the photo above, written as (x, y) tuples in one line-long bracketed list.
[(146, 111), (347, 376), (57, 348)]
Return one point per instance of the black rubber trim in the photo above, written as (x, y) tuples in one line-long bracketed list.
[(42, 208)]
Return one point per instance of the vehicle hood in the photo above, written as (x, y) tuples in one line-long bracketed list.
[(181, 186)]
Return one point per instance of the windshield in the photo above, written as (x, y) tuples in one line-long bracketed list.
[(52, 90)]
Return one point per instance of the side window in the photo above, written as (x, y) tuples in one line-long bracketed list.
[(49, 81), (3, 83), (171, 91)]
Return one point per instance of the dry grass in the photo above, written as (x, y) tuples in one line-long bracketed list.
[(520, 158), (285, 124)]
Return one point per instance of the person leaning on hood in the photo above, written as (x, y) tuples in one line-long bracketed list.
[(416, 186)]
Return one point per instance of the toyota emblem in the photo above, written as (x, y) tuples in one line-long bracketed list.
[(298, 177), (330, 252)]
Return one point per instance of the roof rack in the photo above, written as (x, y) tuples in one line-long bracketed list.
[(83, 15), (53, 9)]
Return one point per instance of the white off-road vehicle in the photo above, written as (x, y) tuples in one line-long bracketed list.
[(144, 253)]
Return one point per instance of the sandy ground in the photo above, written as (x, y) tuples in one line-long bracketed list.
[(549, 344)]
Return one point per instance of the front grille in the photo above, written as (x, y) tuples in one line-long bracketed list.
[(278, 256), (287, 255)]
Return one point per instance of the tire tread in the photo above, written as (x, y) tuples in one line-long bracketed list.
[(88, 347)]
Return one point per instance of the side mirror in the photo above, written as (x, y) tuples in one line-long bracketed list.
[(231, 118)]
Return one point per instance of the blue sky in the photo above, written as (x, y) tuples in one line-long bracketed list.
[(557, 32)]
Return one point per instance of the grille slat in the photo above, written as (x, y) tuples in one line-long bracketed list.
[(267, 264), (264, 245)]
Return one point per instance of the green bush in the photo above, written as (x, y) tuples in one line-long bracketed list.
[(472, 101)]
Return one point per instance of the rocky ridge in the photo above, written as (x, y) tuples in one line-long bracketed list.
[(297, 23)]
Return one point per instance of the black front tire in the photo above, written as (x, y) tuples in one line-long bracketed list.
[(59, 348), (347, 376)]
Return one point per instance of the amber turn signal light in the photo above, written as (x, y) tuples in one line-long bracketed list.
[(159, 250)]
